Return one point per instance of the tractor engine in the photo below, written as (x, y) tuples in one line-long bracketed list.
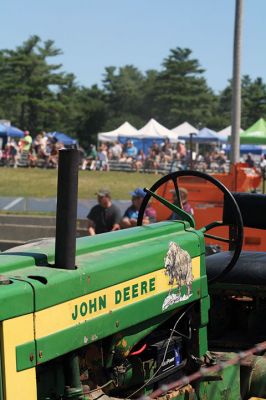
[(113, 368)]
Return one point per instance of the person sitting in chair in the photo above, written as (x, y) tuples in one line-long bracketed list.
[(131, 214), (184, 201)]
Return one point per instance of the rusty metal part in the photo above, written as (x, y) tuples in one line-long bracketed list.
[(187, 390), (203, 372)]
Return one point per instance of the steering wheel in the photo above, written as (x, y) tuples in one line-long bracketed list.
[(234, 221)]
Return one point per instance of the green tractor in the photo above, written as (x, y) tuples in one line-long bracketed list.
[(135, 313)]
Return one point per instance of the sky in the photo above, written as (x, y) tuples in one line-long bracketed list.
[(95, 34)]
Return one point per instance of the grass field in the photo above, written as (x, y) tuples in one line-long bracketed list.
[(27, 182)]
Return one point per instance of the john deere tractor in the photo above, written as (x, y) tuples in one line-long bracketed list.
[(135, 313)]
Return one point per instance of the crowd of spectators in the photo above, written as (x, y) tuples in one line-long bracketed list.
[(43, 151), (156, 156), (40, 151), (163, 156)]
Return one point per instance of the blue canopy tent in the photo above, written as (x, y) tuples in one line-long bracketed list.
[(11, 131), (205, 135), (247, 148), (205, 138), (63, 138), (141, 144)]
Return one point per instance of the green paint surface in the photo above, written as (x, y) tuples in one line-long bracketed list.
[(227, 388), (102, 261), (109, 324)]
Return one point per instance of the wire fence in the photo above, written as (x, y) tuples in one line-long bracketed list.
[(203, 371)]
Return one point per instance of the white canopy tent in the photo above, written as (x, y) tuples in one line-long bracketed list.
[(125, 130), (184, 129), (154, 130), (225, 133)]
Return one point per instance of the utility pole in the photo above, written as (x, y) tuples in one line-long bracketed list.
[(236, 84)]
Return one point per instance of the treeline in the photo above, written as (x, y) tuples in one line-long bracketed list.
[(35, 94)]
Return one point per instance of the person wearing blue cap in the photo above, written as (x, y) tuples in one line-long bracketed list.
[(131, 214), (138, 193)]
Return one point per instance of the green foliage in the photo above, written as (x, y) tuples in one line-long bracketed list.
[(123, 90), (86, 113), (181, 93), (124, 96), (253, 102), (28, 84)]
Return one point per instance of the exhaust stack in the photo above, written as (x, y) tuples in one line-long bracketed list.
[(66, 211)]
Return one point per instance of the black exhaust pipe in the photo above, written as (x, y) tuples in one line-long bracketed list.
[(65, 246), (66, 210)]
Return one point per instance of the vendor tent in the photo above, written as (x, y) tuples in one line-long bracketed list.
[(9, 130), (255, 134), (205, 135), (247, 148), (149, 134), (184, 129), (124, 130), (63, 138), (224, 134), (154, 130)]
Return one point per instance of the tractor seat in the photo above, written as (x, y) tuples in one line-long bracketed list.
[(249, 269)]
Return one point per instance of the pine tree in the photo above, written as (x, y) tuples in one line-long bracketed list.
[(29, 84), (181, 92)]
